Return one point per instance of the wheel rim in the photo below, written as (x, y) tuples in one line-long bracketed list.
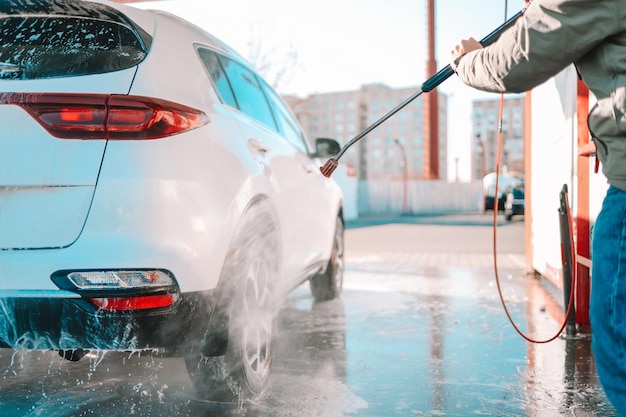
[(257, 330)]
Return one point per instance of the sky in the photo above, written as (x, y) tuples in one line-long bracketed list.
[(340, 45)]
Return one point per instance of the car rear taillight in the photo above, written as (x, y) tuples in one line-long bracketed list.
[(107, 116), (134, 303), (121, 290)]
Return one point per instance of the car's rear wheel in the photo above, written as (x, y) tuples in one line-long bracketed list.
[(328, 285), (242, 373)]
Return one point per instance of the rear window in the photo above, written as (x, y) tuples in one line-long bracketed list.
[(48, 46)]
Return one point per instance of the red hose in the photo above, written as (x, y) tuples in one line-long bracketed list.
[(495, 251)]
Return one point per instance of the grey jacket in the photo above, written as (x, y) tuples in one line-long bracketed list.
[(551, 35)]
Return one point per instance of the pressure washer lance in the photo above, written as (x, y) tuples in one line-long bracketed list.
[(428, 85)]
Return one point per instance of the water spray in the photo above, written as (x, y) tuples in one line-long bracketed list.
[(428, 85)]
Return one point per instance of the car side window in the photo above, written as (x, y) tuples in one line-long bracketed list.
[(289, 128), (242, 89), (248, 92), (217, 74)]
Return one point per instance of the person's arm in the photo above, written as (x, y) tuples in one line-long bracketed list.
[(549, 36)]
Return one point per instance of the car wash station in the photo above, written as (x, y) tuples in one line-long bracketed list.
[(229, 264)]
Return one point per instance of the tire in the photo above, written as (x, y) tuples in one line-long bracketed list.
[(328, 285), (242, 373)]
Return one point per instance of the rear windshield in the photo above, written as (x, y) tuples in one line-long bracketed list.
[(33, 47)]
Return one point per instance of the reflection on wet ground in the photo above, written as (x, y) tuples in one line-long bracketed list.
[(404, 339), (451, 351)]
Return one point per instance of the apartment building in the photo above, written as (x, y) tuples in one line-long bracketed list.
[(485, 128)]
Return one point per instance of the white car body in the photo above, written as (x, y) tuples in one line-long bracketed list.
[(170, 204)]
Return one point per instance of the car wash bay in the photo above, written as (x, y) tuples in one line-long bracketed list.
[(419, 330)]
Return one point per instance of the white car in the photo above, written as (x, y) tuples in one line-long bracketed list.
[(155, 193)]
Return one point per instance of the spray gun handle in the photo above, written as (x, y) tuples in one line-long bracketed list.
[(445, 73)]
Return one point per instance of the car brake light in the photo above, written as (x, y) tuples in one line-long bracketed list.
[(134, 303), (109, 117)]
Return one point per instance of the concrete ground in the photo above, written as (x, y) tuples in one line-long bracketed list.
[(447, 262)]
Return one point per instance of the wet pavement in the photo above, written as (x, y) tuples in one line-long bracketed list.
[(419, 330)]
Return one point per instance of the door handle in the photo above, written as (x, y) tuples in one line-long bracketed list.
[(258, 147)]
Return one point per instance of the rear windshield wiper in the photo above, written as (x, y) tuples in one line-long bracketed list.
[(10, 71)]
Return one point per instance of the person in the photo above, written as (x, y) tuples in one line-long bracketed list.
[(591, 34)]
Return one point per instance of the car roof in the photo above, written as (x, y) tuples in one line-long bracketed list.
[(207, 38)]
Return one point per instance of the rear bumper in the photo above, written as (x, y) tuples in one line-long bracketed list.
[(73, 323)]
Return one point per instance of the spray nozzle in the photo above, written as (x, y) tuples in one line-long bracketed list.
[(329, 167)]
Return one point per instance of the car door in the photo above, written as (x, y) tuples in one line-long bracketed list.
[(313, 219), (287, 171)]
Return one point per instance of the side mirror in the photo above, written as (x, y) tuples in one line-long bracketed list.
[(326, 147)]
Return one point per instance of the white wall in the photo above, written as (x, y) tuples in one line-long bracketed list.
[(553, 163), (423, 197), (553, 137)]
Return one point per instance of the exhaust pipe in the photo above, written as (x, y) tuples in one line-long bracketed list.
[(73, 355)]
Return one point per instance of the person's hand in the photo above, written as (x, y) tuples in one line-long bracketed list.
[(588, 149), (463, 47)]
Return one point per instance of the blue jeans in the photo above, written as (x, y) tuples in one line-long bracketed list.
[(608, 297)]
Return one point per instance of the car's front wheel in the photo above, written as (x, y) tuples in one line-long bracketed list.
[(328, 285)]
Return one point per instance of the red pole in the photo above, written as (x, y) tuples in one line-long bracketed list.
[(528, 185), (431, 104), (581, 224)]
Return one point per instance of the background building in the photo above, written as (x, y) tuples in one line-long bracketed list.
[(485, 126), (384, 154)]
